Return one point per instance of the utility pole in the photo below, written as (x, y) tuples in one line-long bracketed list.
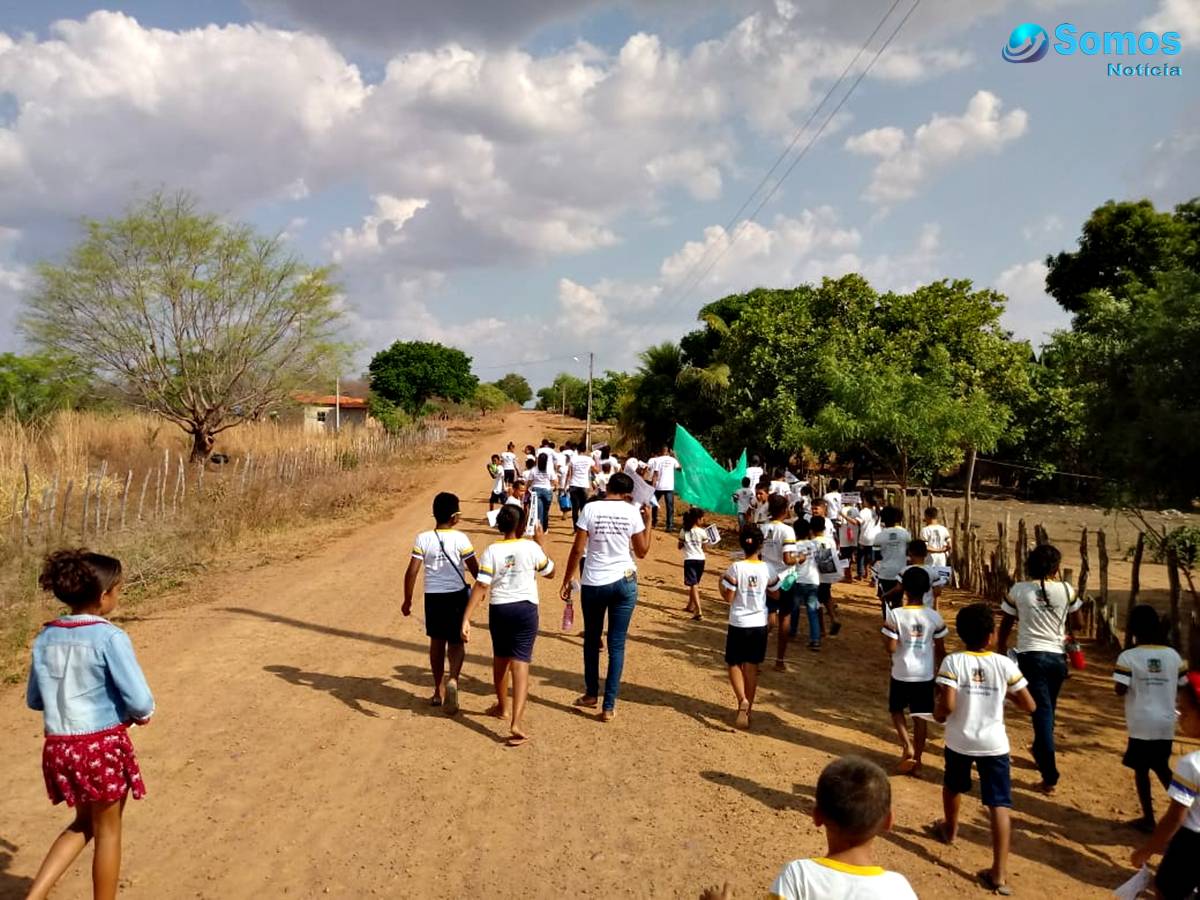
[(587, 434), (337, 405)]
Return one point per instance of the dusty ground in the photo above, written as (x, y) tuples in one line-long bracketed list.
[(293, 753)]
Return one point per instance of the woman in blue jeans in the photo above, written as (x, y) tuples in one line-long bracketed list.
[(544, 483), (612, 532), (1042, 610)]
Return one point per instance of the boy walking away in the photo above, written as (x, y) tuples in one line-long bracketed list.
[(581, 468), (806, 590), (833, 502), (496, 473), (915, 636), (745, 586), (936, 537), (1148, 676), (779, 553), (891, 546), (508, 461), (662, 470), (1178, 833), (854, 806), (971, 689), (743, 498), (444, 552), (829, 569), (692, 539)]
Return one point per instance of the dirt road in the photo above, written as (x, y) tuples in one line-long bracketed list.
[(294, 755)]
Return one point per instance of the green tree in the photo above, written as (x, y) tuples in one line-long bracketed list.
[(607, 392), (566, 394), (32, 388), (516, 388), (410, 373), (489, 398), (648, 413), (202, 322)]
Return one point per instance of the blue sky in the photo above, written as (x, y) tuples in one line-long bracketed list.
[(532, 181)]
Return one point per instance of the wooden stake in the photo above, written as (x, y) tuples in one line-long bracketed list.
[(1135, 584)]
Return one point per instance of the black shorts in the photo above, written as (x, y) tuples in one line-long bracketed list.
[(846, 552), (514, 628), (444, 615), (746, 645), (693, 571), (1178, 875), (497, 498), (915, 696), (995, 777), (1147, 756), (784, 603), (510, 476)]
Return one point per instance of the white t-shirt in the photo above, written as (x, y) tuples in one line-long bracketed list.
[(508, 460), (609, 525), (914, 628), (806, 569), (581, 471), (511, 569), (755, 474), (833, 503), (742, 498), (778, 538), (1041, 622), (847, 530), (1153, 674), (632, 465), (983, 680), (868, 526), (937, 540), (759, 513), (664, 467), (541, 479), (444, 571), (547, 452), (694, 540), (939, 576), (498, 480), (826, 541), (829, 879), (1185, 784), (893, 552), (782, 488), (749, 580)]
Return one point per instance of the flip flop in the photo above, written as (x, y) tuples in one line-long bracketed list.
[(985, 878), (743, 715), (906, 766), (586, 702), (937, 831), (435, 701), (608, 715), (834, 629), (515, 741)]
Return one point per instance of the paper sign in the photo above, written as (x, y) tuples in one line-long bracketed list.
[(851, 498), (491, 517), (643, 492), (713, 534)]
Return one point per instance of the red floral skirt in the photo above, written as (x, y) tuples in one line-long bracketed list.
[(91, 768)]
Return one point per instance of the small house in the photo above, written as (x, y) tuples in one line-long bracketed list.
[(327, 413)]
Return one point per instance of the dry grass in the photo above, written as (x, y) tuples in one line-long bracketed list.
[(121, 484)]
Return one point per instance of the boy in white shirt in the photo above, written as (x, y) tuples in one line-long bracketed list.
[(918, 556), (759, 513), (891, 552), (1148, 676), (915, 636), (496, 472), (833, 502), (936, 537), (1178, 832), (743, 498), (854, 806), (779, 552), (745, 586), (972, 686), (508, 459)]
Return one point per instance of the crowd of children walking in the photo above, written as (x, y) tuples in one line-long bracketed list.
[(792, 547)]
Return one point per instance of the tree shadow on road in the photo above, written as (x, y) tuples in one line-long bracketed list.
[(11, 886)]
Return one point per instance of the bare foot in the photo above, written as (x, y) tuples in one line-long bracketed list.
[(517, 737), (496, 711), (718, 893), (1047, 789), (743, 715), (608, 715), (938, 831), (907, 764), (780, 665)]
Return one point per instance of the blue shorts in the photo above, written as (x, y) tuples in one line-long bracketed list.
[(514, 628), (693, 571), (995, 777)]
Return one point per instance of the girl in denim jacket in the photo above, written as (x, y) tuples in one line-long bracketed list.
[(87, 683)]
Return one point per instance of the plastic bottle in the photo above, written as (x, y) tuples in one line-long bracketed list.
[(568, 619)]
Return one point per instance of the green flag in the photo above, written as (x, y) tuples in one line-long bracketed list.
[(703, 481)]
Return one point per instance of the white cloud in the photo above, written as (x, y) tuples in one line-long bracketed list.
[(907, 162), (581, 311), (379, 228), (1031, 314), (1046, 228), (1176, 15)]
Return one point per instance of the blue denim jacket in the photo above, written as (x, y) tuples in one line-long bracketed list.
[(85, 677)]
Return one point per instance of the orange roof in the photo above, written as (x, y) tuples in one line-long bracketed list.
[(330, 400)]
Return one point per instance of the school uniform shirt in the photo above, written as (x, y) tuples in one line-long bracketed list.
[(498, 480), (782, 488), (868, 526), (1041, 620), (510, 568), (444, 569), (609, 525), (937, 539), (914, 628), (824, 879), (508, 460), (664, 467), (939, 576), (1153, 674), (1185, 785), (833, 504), (749, 581), (837, 575), (694, 540), (892, 544), (806, 571), (847, 530), (983, 680), (743, 498), (581, 471), (779, 538)]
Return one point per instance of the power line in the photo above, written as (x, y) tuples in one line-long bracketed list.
[(689, 287)]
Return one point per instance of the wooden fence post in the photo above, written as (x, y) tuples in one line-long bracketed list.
[(1022, 549), (142, 496), (87, 499), (1085, 568), (125, 496), (1108, 629), (1135, 584), (62, 527), (1173, 580)]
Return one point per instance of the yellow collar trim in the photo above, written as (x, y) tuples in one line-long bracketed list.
[(979, 653), (849, 869)]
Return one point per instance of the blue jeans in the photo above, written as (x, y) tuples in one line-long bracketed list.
[(1046, 673), (863, 557), (545, 497), (808, 598), (666, 499), (617, 600)]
